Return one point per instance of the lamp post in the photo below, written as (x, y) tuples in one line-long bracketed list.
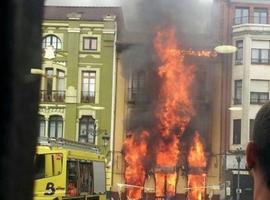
[(238, 158), (225, 52)]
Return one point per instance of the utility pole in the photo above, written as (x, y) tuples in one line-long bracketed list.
[(238, 159)]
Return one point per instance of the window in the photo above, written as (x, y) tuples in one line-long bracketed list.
[(54, 86), (88, 87), (47, 165), (237, 91), (51, 40), (136, 91), (56, 126), (89, 43), (259, 97), (237, 131), (251, 125), (72, 178), (241, 16), (87, 129), (47, 93), (260, 16), (41, 126), (260, 56), (86, 177), (60, 92), (239, 52)]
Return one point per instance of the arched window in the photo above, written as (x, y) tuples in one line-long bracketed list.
[(87, 129), (56, 126), (51, 40), (41, 126)]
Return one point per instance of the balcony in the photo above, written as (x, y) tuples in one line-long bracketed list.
[(259, 97), (250, 24), (88, 97), (52, 96)]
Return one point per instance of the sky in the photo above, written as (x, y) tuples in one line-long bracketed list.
[(84, 2)]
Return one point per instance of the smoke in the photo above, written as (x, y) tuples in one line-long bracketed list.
[(194, 28)]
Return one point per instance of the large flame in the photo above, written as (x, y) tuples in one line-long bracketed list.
[(135, 150), (174, 110), (196, 164)]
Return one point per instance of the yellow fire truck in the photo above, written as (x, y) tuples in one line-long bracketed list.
[(68, 170)]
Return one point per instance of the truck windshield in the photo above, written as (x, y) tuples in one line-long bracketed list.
[(47, 165)]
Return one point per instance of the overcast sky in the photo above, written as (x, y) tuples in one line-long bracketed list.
[(84, 2)]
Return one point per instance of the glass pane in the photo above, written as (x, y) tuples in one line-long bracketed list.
[(42, 128), (59, 129), (83, 129), (86, 43), (85, 177), (256, 18), (94, 44), (255, 55), (61, 85), (264, 55), (52, 129)]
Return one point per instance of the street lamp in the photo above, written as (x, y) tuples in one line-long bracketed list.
[(106, 139), (225, 49), (238, 158), (49, 53)]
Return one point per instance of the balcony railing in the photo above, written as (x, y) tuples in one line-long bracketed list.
[(136, 96), (88, 97), (52, 95), (258, 100), (250, 20)]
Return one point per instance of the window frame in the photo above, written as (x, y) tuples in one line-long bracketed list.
[(58, 120), (238, 88), (260, 11), (237, 132), (260, 60), (239, 53), (87, 120), (241, 17), (91, 39), (259, 100), (88, 96), (58, 43), (42, 120)]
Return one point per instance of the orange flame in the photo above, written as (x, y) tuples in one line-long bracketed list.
[(196, 185), (196, 155), (135, 153), (197, 164), (175, 107), (174, 111)]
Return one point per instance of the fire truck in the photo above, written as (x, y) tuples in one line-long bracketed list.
[(68, 170)]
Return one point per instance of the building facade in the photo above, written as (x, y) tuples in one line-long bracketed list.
[(245, 25), (78, 87)]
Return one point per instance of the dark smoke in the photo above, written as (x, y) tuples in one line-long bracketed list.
[(195, 29)]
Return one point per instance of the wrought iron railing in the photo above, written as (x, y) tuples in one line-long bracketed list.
[(88, 97), (136, 96), (52, 95)]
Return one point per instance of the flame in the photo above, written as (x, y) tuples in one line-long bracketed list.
[(196, 155), (197, 164), (196, 185), (135, 151), (175, 108)]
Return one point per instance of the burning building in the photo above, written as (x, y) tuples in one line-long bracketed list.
[(168, 107), (160, 151)]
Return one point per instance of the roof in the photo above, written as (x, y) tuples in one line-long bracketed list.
[(87, 13)]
